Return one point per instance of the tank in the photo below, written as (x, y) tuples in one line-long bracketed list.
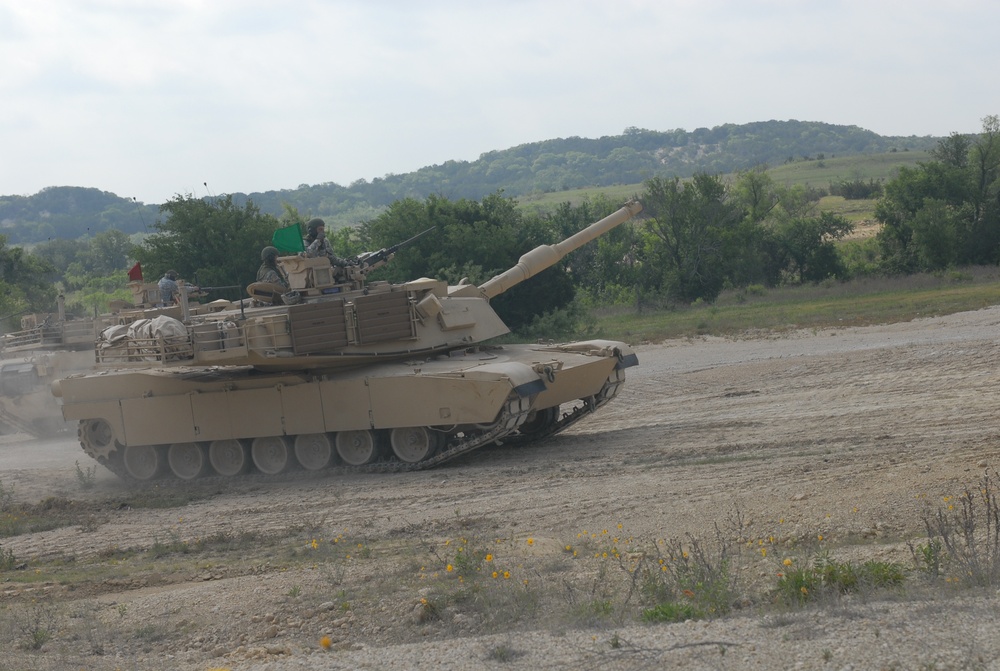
[(338, 373), (48, 346)]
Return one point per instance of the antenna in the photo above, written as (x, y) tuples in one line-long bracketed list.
[(211, 195), (139, 210)]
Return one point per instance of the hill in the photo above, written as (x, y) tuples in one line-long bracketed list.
[(526, 171)]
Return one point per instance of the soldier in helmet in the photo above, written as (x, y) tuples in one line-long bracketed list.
[(317, 244), (269, 270)]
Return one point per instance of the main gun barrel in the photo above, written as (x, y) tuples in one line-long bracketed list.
[(543, 256)]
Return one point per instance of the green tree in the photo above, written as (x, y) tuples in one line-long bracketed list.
[(809, 243), (108, 251), (473, 240), (947, 211), (211, 242), (607, 268), (693, 223), (24, 284)]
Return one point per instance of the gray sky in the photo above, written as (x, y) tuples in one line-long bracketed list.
[(154, 98)]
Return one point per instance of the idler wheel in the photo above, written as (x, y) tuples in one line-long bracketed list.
[(228, 457), (271, 455), (313, 451), (97, 438), (143, 462), (187, 460), (356, 448), (413, 444)]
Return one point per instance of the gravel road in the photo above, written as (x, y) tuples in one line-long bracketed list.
[(838, 440)]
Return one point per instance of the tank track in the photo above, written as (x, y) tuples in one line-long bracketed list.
[(513, 415), (568, 419)]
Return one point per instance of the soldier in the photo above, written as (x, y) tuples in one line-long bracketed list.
[(169, 288), (269, 270), (317, 244)]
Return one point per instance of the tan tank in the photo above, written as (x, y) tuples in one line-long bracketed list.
[(48, 346), (354, 375)]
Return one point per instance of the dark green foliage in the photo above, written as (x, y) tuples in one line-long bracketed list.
[(827, 578), (209, 243), (945, 212), (697, 230), (476, 240), (857, 189), (673, 611), (808, 243), (25, 284), (70, 212)]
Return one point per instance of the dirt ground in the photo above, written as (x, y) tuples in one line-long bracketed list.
[(838, 438)]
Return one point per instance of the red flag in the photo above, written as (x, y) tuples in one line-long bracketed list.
[(135, 273)]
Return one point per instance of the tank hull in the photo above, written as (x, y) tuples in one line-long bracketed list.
[(413, 414)]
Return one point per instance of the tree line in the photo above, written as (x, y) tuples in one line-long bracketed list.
[(539, 167), (695, 238)]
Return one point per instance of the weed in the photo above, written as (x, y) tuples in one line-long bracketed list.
[(428, 610), (86, 477), (672, 611), (174, 546), (7, 559), (692, 579), (295, 591), (827, 578), (927, 557), (503, 652), (970, 533), (6, 496), (37, 626)]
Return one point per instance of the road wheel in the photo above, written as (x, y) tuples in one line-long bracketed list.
[(413, 444), (228, 457), (356, 448), (143, 462), (271, 455), (187, 460), (313, 451)]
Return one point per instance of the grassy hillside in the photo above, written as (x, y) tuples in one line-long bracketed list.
[(563, 169), (815, 173), (821, 173)]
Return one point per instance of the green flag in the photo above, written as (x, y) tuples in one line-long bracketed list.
[(288, 240)]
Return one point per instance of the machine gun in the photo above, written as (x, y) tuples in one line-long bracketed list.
[(366, 262)]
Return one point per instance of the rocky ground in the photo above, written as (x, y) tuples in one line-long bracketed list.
[(838, 443)]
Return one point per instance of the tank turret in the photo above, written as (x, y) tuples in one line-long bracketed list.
[(351, 374)]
